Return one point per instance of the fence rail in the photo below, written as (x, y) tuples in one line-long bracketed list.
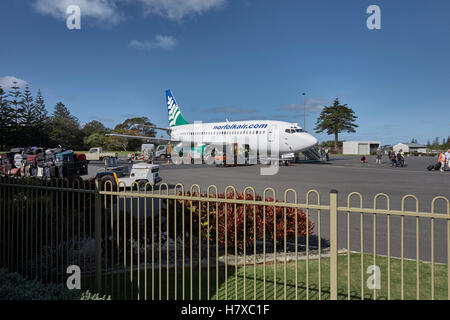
[(175, 243)]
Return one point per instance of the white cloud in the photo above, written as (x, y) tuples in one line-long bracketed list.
[(177, 9), (100, 10), (108, 10), (7, 82), (160, 41)]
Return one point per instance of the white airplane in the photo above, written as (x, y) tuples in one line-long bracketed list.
[(263, 136)]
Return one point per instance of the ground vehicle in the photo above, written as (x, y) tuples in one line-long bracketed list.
[(139, 176), (98, 154), (147, 151), (163, 151)]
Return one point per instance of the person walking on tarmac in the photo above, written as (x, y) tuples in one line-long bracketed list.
[(379, 155), (442, 160), (447, 157)]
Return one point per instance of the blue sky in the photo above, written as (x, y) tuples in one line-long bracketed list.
[(248, 59)]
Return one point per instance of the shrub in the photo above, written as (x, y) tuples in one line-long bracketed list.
[(229, 221), (14, 287)]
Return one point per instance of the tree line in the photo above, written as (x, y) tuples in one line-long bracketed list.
[(25, 121)]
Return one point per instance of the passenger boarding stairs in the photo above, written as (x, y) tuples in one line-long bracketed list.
[(312, 154)]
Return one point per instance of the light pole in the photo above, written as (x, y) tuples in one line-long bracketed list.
[(304, 111)]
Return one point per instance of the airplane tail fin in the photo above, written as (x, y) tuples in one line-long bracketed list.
[(175, 116)]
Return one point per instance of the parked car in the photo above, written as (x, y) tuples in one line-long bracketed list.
[(97, 153)]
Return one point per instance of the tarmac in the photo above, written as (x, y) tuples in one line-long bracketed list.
[(346, 174)]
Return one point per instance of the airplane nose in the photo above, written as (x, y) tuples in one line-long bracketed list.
[(312, 140)]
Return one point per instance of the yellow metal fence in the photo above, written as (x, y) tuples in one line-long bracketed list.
[(177, 243)]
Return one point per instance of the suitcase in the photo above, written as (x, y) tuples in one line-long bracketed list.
[(16, 150), (430, 167), (27, 171), (49, 158), (64, 158), (62, 172), (36, 151), (437, 166), (80, 157), (8, 155), (31, 161), (52, 170), (31, 158), (40, 156), (56, 150)]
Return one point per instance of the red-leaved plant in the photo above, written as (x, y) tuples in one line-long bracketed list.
[(226, 222)]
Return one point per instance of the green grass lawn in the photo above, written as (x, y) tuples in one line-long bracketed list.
[(257, 287)]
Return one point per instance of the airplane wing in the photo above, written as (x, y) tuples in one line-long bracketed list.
[(168, 130), (140, 137)]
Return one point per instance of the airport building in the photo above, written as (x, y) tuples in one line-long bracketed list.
[(410, 147), (360, 147)]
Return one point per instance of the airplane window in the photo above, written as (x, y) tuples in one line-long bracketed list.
[(299, 130)]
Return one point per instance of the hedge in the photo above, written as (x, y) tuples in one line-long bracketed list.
[(14, 287)]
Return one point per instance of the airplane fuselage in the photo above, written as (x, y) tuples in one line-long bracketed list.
[(257, 134)]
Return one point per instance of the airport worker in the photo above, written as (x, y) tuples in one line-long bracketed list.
[(442, 160), (322, 153), (327, 154), (379, 155)]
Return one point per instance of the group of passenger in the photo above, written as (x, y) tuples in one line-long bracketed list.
[(397, 159), (444, 160)]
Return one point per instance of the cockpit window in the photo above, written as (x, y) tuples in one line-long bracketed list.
[(294, 130)]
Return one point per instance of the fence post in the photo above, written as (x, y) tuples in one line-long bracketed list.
[(98, 238), (333, 245)]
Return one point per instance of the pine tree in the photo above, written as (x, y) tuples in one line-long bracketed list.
[(41, 119), (16, 105), (336, 119), (5, 120), (28, 119)]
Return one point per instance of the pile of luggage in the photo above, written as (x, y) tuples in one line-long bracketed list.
[(49, 163)]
